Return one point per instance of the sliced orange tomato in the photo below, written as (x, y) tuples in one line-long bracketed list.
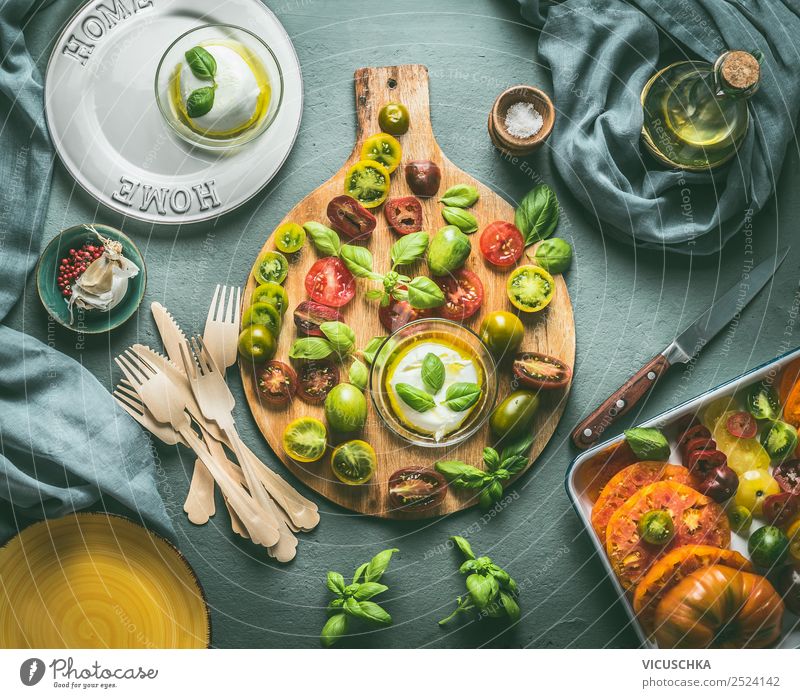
[(626, 483), (697, 519), (793, 533), (602, 466), (790, 376)]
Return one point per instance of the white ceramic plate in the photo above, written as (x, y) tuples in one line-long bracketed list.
[(106, 127)]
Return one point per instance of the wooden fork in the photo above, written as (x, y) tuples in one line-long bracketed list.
[(164, 403)]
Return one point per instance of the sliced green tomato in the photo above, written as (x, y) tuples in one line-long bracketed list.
[(271, 266), (289, 238), (263, 314), (384, 149), (354, 462), (656, 527), (271, 293), (368, 183), (743, 454), (779, 440), (305, 439), (530, 288)]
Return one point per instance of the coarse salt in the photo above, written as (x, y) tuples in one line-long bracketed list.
[(522, 120)]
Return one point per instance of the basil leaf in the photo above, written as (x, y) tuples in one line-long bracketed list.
[(482, 589), (537, 214), (201, 63), (199, 102), (461, 195), (515, 464), (359, 571), (369, 351), (409, 248), (463, 220), (432, 372), (648, 444), (340, 336), (335, 582), (359, 261), (415, 398), (463, 546), (423, 293), (400, 294), (378, 564), (336, 604), (311, 348), (359, 375), (492, 494), (462, 396), (373, 294), (520, 447), (491, 458), (325, 240), (333, 629), (510, 605), (461, 474), (369, 589), (367, 610)]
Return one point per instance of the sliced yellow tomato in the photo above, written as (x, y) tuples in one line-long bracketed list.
[(754, 487), (368, 183), (716, 409), (384, 149), (743, 454)]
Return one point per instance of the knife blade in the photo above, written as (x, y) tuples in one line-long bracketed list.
[(682, 349), (172, 335)]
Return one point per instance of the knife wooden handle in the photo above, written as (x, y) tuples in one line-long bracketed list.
[(635, 388)]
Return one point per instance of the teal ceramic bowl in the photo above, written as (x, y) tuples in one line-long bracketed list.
[(87, 321)]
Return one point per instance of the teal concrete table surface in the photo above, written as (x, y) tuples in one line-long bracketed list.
[(628, 305)]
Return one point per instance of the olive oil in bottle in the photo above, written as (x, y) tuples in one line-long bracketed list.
[(695, 113)]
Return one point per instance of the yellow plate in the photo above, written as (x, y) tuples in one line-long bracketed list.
[(98, 581)]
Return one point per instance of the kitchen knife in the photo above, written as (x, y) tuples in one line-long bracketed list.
[(682, 350)]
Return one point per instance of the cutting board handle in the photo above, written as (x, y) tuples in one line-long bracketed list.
[(407, 84)]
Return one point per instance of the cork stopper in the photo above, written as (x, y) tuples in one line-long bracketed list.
[(739, 71)]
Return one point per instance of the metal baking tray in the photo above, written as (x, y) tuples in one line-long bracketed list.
[(578, 478)]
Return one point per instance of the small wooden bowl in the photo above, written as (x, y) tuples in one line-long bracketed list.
[(497, 119)]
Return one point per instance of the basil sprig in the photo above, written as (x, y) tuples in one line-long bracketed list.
[(490, 589), (500, 467), (421, 292), (352, 600), (537, 214), (204, 67)]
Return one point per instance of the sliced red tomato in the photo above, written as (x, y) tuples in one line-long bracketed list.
[(742, 425), (399, 313), (540, 371), (788, 476), (502, 244), (330, 282), (781, 509), (317, 379), (463, 292), (350, 218), (693, 431), (277, 383), (403, 214)]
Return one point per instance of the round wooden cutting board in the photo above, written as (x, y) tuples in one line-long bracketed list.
[(550, 332)]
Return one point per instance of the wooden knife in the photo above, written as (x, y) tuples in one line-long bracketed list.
[(680, 351)]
